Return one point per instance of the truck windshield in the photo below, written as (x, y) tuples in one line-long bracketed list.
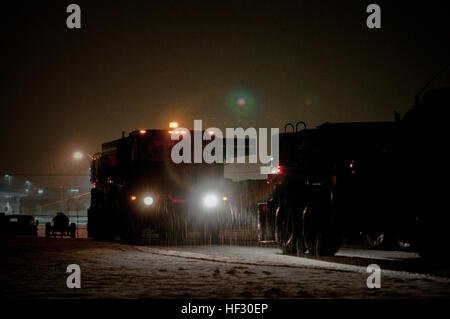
[(155, 147)]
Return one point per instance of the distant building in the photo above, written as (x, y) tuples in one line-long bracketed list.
[(244, 171), (45, 196), (10, 202)]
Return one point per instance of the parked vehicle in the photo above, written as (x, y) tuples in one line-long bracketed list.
[(60, 227), (18, 225), (384, 181)]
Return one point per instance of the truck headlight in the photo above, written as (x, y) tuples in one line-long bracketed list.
[(148, 200), (210, 200)]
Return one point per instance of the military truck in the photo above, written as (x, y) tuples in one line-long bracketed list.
[(422, 159), (138, 189), (382, 181), (332, 180)]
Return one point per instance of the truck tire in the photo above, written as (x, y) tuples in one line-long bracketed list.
[(381, 240), (286, 231), (374, 240), (48, 227), (319, 230)]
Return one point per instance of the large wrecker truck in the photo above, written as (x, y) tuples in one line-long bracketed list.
[(332, 180), (384, 181), (138, 190)]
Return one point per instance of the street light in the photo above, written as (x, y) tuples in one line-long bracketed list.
[(79, 155), (173, 124)]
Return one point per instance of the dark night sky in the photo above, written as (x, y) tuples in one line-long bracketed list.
[(139, 64)]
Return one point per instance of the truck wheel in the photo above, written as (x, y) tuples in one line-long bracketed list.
[(285, 232), (374, 240), (381, 240), (319, 230), (47, 229), (73, 230)]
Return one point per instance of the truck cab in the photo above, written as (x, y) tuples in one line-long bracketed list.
[(138, 188)]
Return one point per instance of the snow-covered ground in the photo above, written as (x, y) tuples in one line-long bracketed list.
[(36, 268)]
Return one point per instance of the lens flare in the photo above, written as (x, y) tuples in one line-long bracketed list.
[(148, 200), (210, 201), (241, 102), (77, 155)]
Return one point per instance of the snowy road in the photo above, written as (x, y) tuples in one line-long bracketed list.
[(36, 268)]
